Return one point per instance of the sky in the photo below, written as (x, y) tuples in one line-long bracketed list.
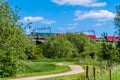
[(88, 16)]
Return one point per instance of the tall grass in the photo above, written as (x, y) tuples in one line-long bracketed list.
[(88, 61), (30, 68), (115, 74), (57, 60)]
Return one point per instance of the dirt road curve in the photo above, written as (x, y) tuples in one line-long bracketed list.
[(75, 69)]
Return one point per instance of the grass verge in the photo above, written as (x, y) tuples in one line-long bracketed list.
[(41, 68)]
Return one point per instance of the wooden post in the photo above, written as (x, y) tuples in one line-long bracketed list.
[(87, 74), (110, 74), (101, 70), (94, 73)]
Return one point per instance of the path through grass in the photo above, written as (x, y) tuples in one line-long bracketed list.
[(41, 68)]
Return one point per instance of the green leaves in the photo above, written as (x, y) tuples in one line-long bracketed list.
[(57, 47), (13, 43), (117, 20)]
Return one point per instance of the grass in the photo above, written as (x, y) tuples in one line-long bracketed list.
[(115, 74), (80, 76), (90, 62), (57, 60), (3, 79), (40, 68), (48, 66), (102, 72)]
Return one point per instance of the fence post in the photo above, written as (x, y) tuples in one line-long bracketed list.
[(101, 70), (110, 74), (94, 72), (87, 73)]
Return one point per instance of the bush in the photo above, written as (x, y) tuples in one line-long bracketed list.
[(58, 47), (13, 42)]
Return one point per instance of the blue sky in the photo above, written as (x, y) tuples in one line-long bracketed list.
[(69, 15)]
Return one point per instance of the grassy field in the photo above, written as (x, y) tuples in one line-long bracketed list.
[(40, 68), (115, 74), (3, 79), (82, 76), (101, 74), (49, 66)]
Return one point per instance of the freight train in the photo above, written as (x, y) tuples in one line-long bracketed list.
[(40, 37)]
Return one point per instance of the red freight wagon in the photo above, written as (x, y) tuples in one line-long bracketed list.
[(59, 34), (91, 36), (110, 37)]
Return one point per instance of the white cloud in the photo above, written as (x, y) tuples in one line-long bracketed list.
[(62, 28), (100, 15), (87, 33), (37, 19), (73, 25), (86, 3), (32, 19), (71, 28), (98, 24), (47, 21)]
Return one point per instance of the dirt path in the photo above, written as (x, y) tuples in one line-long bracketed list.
[(75, 69)]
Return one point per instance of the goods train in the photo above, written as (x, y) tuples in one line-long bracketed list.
[(40, 37)]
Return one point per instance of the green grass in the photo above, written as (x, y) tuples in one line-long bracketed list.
[(90, 62), (30, 68), (3, 79), (57, 60), (48, 66), (115, 74), (80, 76)]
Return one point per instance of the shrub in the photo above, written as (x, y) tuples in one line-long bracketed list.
[(58, 47)]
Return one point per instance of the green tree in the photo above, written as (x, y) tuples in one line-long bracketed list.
[(92, 49), (58, 47), (13, 42), (109, 52), (79, 41), (117, 20), (117, 24)]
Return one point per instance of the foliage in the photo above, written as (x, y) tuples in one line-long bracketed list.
[(30, 51), (92, 50), (13, 42), (38, 53), (117, 20), (85, 47), (58, 47), (109, 52), (78, 40), (117, 24)]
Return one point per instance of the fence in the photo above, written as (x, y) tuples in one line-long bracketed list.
[(93, 75)]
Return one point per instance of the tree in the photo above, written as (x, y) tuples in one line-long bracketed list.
[(13, 42), (79, 41), (58, 47), (117, 20), (117, 23), (109, 52), (92, 49)]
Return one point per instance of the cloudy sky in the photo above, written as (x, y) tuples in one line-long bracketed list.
[(69, 15)]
